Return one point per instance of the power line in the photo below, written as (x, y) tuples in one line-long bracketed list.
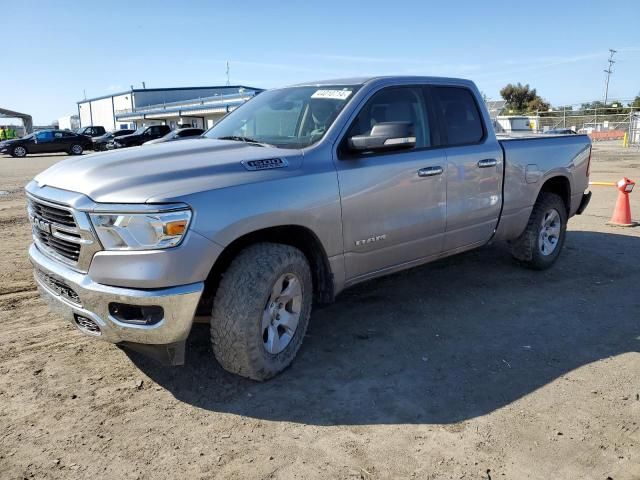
[(608, 71)]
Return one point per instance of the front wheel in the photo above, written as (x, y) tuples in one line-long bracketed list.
[(261, 310), (76, 149), (19, 151), (540, 244)]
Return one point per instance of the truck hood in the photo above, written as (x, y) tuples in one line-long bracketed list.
[(125, 138), (165, 172)]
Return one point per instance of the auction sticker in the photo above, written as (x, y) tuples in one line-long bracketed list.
[(332, 94)]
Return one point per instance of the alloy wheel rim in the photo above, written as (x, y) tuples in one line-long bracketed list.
[(20, 151), (549, 232), (76, 149), (281, 314)]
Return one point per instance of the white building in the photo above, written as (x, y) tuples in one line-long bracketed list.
[(634, 129), (517, 123), (137, 107), (69, 122)]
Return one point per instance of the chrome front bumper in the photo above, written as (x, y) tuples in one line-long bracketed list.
[(92, 302)]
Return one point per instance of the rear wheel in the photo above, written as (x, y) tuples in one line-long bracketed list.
[(76, 149), (261, 310), (540, 244), (19, 151)]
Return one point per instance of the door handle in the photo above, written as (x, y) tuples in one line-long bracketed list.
[(430, 171), (487, 162)]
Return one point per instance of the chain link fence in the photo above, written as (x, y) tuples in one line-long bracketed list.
[(602, 123), (589, 120)]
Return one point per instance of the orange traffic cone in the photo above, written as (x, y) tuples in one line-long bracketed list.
[(622, 212)]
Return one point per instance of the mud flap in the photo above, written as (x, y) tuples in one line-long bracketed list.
[(586, 197)]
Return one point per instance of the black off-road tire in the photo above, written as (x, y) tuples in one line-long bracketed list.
[(239, 303), (526, 248)]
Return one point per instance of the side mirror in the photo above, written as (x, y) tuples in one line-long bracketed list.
[(385, 136)]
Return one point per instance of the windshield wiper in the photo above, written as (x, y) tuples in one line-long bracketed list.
[(239, 138)]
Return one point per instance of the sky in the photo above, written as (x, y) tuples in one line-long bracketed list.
[(59, 50)]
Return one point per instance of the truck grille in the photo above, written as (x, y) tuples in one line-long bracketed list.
[(60, 231), (52, 214), (55, 230), (70, 250), (59, 287)]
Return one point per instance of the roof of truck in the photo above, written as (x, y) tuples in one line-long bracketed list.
[(363, 80)]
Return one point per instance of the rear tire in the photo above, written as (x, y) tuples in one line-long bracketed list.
[(540, 244), (19, 151), (261, 310)]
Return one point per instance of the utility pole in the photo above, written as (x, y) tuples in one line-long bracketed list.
[(228, 82), (608, 71)]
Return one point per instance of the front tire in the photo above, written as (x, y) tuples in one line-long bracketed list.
[(261, 310), (540, 244), (76, 149), (19, 151)]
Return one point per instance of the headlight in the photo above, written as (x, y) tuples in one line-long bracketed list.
[(141, 231)]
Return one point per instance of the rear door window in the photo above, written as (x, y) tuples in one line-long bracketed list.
[(44, 136), (460, 115)]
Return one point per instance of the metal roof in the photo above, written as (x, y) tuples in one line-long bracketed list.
[(400, 78), (171, 89), (208, 105), (27, 120)]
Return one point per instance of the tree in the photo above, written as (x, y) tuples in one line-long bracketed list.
[(636, 102), (614, 107), (522, 98)]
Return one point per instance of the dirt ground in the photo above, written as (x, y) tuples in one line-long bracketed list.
[(468, 368)]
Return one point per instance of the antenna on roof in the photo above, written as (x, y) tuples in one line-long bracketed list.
[(228, 83), (143, 85)]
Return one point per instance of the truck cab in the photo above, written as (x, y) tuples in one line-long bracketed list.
[(91, 131)]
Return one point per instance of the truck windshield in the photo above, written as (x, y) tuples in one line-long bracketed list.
[(293, 117)]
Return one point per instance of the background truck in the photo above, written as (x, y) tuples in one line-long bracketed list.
[(296, 195), (141, 135), (91, 131)]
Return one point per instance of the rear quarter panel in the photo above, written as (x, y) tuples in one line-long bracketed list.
[(532, 161)]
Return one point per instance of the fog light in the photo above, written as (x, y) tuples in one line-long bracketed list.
[(136, 314), (87, 325)]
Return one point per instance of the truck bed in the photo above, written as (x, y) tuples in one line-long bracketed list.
[(530, 159)]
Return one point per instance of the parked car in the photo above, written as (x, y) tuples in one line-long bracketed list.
[(141, 135), (560, 131), (47, 141), (179, 134), (91, 131), (100, 143), (288, 200)]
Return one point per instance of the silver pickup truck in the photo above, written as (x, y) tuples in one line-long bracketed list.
[(296, 195)]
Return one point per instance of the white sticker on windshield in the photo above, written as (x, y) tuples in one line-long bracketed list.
[(332, 94)]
